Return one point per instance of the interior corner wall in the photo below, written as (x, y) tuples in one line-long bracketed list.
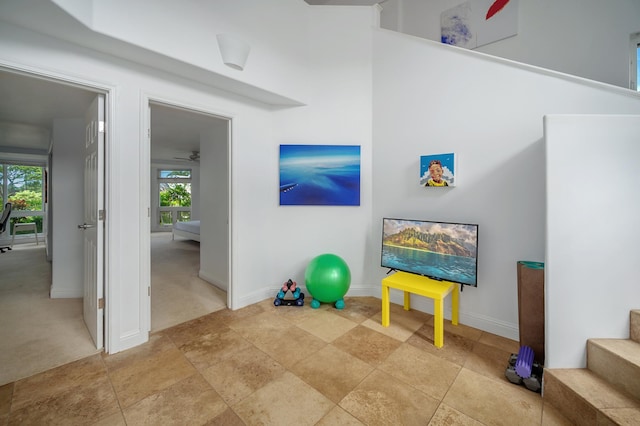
[(587, 38), (591, 272), (338, 113), (67, 187), (195, 192), (214, 200), (429, 98), (154, 199), (47, 206)]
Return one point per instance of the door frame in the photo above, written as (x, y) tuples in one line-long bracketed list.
[(109, 93), (145, 184)]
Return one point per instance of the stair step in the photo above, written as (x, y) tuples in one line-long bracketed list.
[(634, 325), (616, 360), (587, 399)]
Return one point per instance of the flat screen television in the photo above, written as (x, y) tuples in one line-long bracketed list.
[(438, 250)]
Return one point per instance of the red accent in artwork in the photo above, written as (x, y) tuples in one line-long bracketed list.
[(496, 7)]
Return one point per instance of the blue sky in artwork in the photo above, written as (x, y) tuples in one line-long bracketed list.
[(315, 154), (446, 160)]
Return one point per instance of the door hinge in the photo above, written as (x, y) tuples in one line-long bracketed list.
[(101, 303), (101, 126), (149, 291), (100, 214)]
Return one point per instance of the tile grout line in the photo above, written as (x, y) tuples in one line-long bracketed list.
[(113, 388)]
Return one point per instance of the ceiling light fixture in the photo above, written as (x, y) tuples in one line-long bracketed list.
[(234, 52)]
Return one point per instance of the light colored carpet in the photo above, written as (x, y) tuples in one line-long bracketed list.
[(177, 293), (38, 333)]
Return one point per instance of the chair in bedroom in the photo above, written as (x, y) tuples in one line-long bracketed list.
[(4, 223)]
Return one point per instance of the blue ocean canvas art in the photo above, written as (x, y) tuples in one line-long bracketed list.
[(320, 175)]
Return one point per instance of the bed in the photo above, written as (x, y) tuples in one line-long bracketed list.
[(189, 230)]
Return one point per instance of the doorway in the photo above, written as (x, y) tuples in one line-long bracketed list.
[(46, 320), (189, 194)]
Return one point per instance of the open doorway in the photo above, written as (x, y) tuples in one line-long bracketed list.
[(188, 205), (42, 125)]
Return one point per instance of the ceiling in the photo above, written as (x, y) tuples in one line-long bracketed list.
[(28, 106), (175, 132), (344, 2)]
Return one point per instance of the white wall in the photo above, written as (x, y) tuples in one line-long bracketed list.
[(270, 243), (592, 232), (66, 206), (426, 98), (339, 112), (195, 192), (431, 98), (587, 38), (275, 30), (214, 198)]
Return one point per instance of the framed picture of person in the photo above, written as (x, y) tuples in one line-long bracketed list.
[(438, 170)]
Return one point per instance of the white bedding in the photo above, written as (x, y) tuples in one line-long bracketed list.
[(190, 230)]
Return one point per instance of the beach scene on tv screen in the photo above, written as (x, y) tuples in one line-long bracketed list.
[(447, 251)]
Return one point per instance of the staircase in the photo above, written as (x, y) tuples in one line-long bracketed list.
[(607, 392)]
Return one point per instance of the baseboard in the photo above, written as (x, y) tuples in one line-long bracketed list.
[(212, 280), (479, 321), (271, 293), (66, 293), (491, 325), (254, 297), (422, 304)]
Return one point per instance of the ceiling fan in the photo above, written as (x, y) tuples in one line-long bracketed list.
[(195, 156)]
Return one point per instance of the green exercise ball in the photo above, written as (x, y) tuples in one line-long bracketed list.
[(327, 279)]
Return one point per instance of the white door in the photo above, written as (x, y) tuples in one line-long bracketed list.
[(93, 226)]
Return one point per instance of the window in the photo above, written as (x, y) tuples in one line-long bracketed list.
[(22, 186), (634, 59), (174, 196)]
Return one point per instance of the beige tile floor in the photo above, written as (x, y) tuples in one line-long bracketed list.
[(38, 333), (263, 365)]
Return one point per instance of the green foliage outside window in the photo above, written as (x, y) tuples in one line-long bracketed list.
[(175, 195), (24, 191), (174, 191), (26, 200), (165, 218), (22, 178)]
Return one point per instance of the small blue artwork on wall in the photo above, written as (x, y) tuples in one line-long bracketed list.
[(476, 23), (438, 170), (320, 175), (456, 26)]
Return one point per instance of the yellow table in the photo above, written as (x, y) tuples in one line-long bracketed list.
[(427, 287)]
